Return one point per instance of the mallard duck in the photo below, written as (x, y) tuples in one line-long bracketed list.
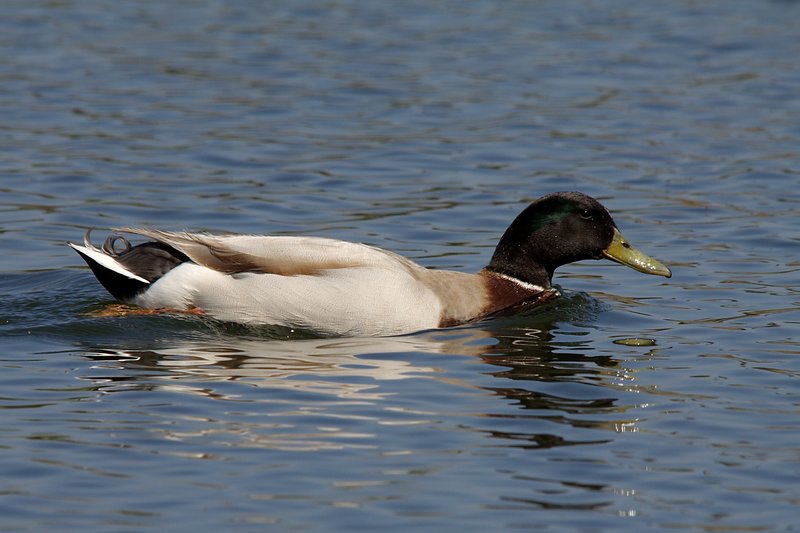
[(338, 288)]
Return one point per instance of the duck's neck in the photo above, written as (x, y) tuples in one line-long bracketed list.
[(527, 259), (507, 292), (523, 272)]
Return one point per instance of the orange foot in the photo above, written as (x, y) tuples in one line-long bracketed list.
[(119, 310)]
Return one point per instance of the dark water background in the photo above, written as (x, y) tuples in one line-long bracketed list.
[(422, 127)]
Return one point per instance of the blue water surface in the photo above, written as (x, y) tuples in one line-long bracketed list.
[(632, 403)]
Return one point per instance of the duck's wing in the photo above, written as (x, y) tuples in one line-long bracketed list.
[(287, 256)]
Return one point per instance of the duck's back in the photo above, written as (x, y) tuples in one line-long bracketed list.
[(283, 255)]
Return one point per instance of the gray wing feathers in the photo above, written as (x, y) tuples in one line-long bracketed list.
[(288, 256)]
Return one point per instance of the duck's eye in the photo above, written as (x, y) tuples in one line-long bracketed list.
[(586, 215)]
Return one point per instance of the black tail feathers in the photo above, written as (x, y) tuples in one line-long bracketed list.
[(149, 261)]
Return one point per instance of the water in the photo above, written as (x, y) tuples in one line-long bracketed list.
[(634, 403)]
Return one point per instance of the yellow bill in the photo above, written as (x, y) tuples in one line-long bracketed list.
[(624, 253)]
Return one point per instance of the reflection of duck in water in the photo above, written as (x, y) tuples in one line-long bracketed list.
[(320, 374), (339, 288), (342, 368)]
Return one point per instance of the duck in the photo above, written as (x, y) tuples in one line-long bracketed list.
[(336, 288)]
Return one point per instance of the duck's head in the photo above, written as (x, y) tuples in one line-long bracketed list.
[(561, 228)]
